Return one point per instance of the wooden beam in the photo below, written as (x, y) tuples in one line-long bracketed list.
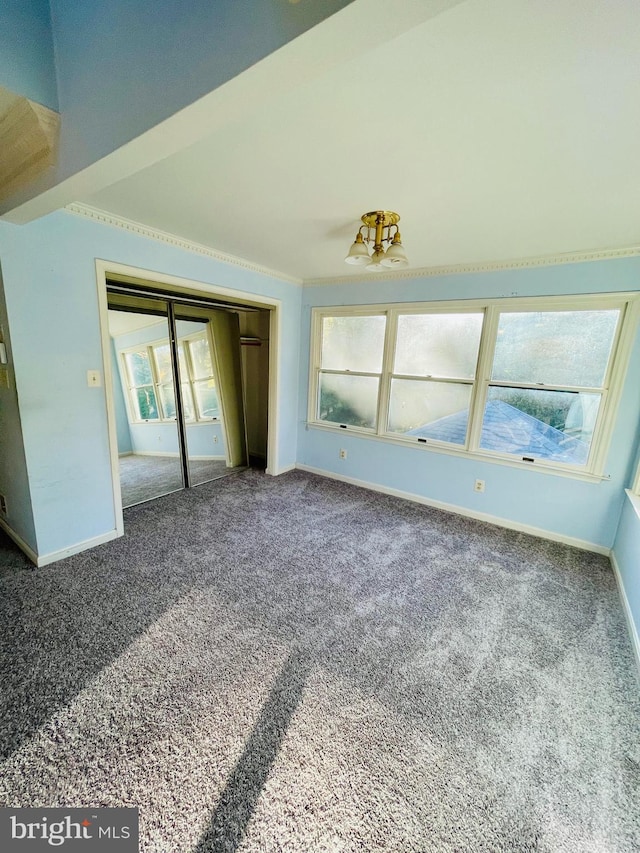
[(28, 141)]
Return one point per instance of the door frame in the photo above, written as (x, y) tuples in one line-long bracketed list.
[(177, 285)]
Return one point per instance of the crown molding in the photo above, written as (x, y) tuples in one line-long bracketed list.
[(105, 218), (485, 266)]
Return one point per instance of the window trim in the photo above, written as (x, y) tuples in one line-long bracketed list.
[(593, 470)]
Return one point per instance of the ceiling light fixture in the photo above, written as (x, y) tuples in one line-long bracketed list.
[(383, 221)]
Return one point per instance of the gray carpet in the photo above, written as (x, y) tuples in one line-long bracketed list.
[(294, 664), (143, 478)]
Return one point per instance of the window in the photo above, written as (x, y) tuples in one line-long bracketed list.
[(142, 392), (162, 359), (203, 386), (351, 351), (548, 382), (150, 381), (434, 368), (521, 381)]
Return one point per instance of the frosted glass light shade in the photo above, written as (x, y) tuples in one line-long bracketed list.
[(395, 257), (376, 262), (358, 254)]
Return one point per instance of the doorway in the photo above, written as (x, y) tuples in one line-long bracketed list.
[(189, 404)]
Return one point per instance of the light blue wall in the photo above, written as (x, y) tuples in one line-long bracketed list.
[(14, 478), (200, 441), (627, 555), (162, 438), (27, 64), (52, 303), (565, 506), (125, 66)]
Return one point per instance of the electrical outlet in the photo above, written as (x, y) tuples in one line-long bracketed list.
[(342, 454), (478, 486), (215, 439)]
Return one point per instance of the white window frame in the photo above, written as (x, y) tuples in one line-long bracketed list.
[(593, 469), (149, 347), (192, 381), (390, 346), (152, 347), (320, 370), (129, 386)]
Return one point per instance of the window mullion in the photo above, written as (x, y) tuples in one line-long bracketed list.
[(186, 349), (388, 355), (151, 355), (483, 376)]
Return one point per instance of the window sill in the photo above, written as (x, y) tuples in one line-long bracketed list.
[(167, 422), (635, 501), (539, 468)]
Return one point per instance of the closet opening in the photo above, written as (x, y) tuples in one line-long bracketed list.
[(190, 377)]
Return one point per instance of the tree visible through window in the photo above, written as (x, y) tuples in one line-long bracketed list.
[(141, 385)]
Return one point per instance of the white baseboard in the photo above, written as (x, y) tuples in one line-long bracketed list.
[(207, 458), (54, 556), (461, 510), (126, 453), (172, 453), (631, 625), (26, 549)]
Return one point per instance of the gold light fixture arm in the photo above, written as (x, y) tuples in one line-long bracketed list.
[(380, 222)]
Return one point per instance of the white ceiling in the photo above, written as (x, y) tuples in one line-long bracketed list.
[(500, 129), (121, 322)]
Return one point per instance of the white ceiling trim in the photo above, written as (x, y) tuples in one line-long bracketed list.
[(141, 230), (488, 266)]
